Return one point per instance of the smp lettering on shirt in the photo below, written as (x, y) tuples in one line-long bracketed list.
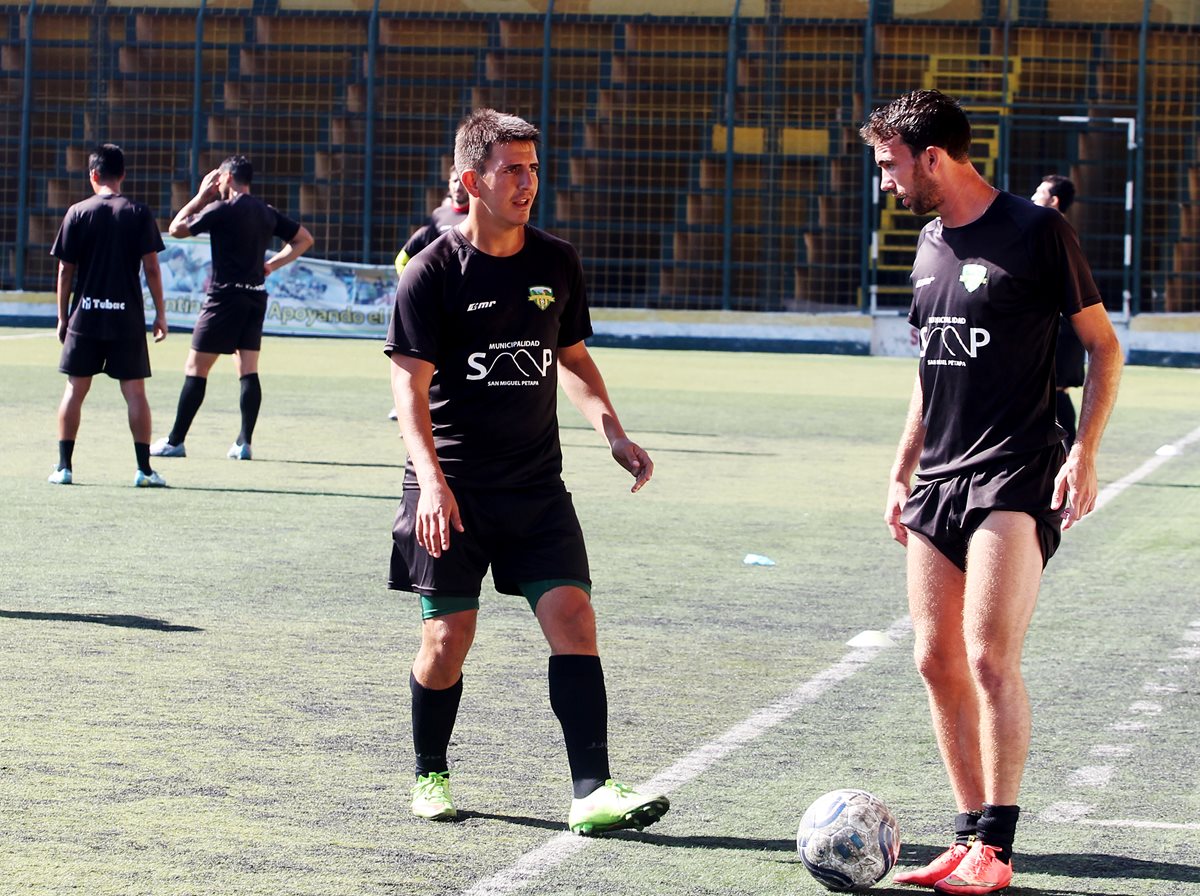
[(502, 359)]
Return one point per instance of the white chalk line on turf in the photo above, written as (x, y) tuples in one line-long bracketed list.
[(37, 335), (1113, 489), (549, 855), (546, 857), (1097, 778)]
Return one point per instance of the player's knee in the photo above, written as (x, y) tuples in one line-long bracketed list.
[(991, 671), (935, 666)]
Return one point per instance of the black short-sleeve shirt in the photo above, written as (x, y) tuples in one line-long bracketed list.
[(105, 237), (240, 231), (986, 301), (492, 327), (442, 219)]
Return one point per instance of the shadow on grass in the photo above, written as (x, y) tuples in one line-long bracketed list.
[(391, 499), (114, 619)]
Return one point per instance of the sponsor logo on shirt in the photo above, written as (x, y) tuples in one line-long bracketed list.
[(973, 276), (541, 296), (90, 304), (924, 281), (511, 363), (951, 331), (478, 306)]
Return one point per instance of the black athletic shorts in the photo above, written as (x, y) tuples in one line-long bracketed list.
[(229, 322), (948, 511), (122, 359), (525, 535)]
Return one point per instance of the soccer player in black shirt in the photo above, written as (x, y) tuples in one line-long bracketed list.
[(1058, 191), (241, 227), (991, 276), (107, 240), (488, 321), (451, 212)]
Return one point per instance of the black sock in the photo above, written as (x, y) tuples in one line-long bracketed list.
[(191, 396), (965, 826), (578, 698), (433, 716), (251, 401), (66, 449), (142, 451), (998, 827)]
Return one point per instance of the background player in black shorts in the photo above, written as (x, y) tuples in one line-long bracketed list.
[(107, 239), (241, 228), (991, 277), (1058, 192), (488, 320)]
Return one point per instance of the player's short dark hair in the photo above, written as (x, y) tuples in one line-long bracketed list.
[(107, 161), (921, 118), (483, 129), (240, 168), (1061, 187)]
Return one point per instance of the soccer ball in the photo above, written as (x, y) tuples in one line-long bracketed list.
[(848, 839)]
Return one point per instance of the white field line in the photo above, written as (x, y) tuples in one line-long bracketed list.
[(40, 334), (533, 864), (552, 853), (1113, 489)]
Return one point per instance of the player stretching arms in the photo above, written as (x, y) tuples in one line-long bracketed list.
[(241, 227), (993, 482), (488, 320)]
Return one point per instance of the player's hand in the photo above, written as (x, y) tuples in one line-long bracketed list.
[(896, 499), (160, 327), (1075, 487), (437, 514), (62, 331), (633, 458), (209, 184)]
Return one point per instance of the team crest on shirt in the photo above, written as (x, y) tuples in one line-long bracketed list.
[(973, 276), (541, 296)]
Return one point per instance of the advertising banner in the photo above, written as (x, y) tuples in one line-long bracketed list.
[(309, 297)]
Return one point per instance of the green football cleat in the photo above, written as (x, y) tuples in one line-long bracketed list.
[(613, 807), (431, 797)]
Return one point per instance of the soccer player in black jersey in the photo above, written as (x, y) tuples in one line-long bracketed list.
[(1058, 191), (488, 321), (451, 212), (107, 239), (241, 227), (993, 483)]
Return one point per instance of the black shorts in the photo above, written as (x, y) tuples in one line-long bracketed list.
[(525, 535), (230, 322), (122, 359), (948, 511)]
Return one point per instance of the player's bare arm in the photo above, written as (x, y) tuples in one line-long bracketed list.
[(66, 277), (154, 281), (437, 509), (1076, 486), (207, 193), (297, 246), (584, 385), (908, 453)]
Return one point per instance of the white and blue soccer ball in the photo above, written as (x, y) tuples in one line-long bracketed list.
[(848, 840)]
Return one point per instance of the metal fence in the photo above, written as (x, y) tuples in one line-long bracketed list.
[(701, 154)]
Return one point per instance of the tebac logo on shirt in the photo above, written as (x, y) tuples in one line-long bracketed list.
[(541, 296), (973, 276)]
